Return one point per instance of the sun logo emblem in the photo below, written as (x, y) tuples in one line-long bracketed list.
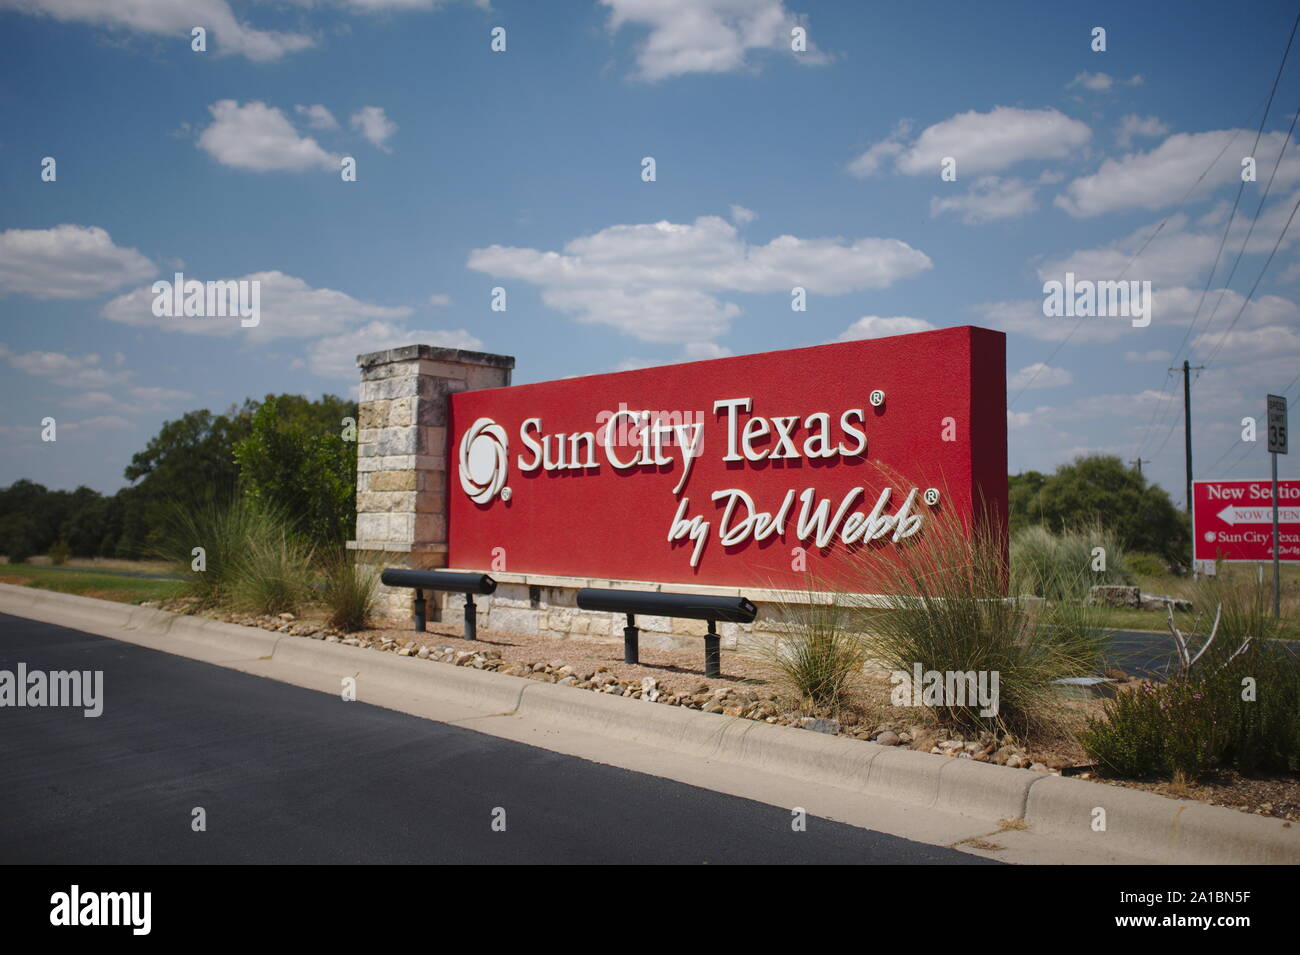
[(483, 461)]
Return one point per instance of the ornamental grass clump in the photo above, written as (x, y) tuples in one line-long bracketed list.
[(940, 603), (348, 590)]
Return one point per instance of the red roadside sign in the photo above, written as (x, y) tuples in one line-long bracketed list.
[(1233, 520), (754, 471)]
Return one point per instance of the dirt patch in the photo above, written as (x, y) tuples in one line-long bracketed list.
[(1277, 796)]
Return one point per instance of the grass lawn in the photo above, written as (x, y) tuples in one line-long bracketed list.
[(89, 583)]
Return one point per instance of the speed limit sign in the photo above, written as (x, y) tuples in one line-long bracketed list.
[(1277, 424)]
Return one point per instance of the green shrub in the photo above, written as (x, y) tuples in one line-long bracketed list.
[(1147, 565), (58, 554), (1129, 740), (1060, 566), (1233, 708), (349, 591), (309, 475)]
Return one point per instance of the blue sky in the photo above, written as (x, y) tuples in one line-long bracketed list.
[(523, 169)]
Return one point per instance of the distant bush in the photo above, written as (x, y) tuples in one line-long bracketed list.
[(1147, 565), (58, 554), (1060, 566)]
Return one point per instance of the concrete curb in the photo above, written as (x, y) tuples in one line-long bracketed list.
[(1136, 823)]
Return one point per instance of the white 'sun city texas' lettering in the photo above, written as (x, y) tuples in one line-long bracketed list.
[(577, 451), (754, 439)]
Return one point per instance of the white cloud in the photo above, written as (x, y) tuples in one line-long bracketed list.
[(69, 371), (171, 18), (706, 36), (439, 301), (1174, 257), (100, 423), (1097, 82), (659, 281), (1162, 176), (988, 200), (874, 326), (1102, 82), (141, 400), (1244, 344), (375, 126), (1154, 354), (336, 356), (1132, 126), (742, 216), (980, 142), (318, 117), (260, 138), (1025, 317), (289, 308), (67, 261), (691, 351), (1039, 375)]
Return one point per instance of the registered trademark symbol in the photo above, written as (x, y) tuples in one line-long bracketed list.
[(505, 494), (877, 398), (932, 496)]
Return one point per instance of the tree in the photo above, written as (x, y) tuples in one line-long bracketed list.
[(1102, 489), (1021, 492), (295, 460)]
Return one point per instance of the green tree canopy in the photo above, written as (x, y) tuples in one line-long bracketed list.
[(1102, 489), (294, 459)]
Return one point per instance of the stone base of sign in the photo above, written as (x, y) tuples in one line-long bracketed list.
[(548, 605), (402, 455)]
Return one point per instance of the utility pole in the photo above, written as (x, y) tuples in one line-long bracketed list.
[(1187, 424), (1138, 465), (1187, 445), (1277, 444)]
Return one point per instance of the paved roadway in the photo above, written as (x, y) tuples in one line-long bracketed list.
[(1151, 653), (289, 775)]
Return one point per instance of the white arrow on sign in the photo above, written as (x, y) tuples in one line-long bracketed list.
[(1259, 515)]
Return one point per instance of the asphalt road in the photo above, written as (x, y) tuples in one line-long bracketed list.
[(289, 775), (1143, 653)]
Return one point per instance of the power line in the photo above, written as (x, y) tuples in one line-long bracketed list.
[(1245, 448), (1263, 121), (1254, 222), (1259, 278), (1124, 271)]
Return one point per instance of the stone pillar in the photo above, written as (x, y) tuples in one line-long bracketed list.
[(402, 453)]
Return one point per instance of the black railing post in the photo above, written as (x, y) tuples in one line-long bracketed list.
[(712, 652), (471, 618), (419, 611), (630, 641)]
